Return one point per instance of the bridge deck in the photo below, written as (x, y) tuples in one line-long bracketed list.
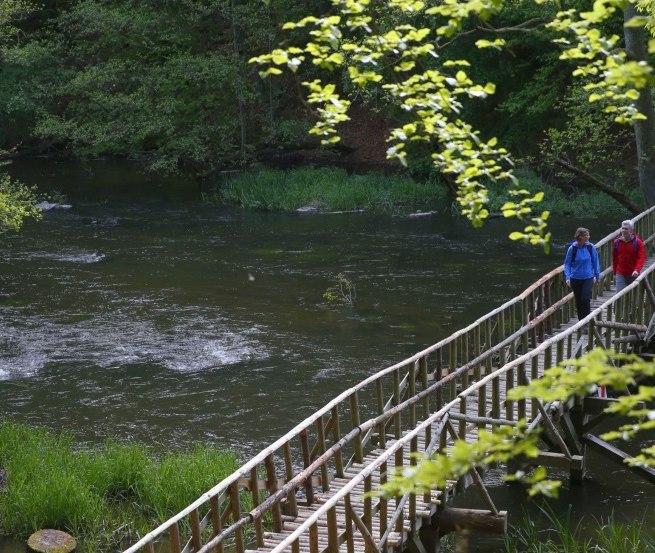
[(424, 510)]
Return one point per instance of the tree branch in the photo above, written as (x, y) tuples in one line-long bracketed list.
[(607, 189)]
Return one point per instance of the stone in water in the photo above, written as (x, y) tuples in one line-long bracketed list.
[(51, 541)]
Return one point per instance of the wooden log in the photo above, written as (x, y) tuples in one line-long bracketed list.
[(649, 292), (453, 519), (650, 330), (51, 541), (558, 460), (627, 340), (621, 326), (618, 456)]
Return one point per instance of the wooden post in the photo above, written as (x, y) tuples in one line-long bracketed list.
[(336, 436), (320, 440), (254, 494), (354, 417), (217, 524)]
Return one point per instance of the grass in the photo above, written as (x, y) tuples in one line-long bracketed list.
[(329, 189), (105, 496), (550, 533)]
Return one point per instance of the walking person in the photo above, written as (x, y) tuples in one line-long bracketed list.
[(628, 256), (582, 271)]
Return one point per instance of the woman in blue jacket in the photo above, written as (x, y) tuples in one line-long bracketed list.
[(582, 271)]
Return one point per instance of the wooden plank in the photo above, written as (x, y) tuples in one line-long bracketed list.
[(615, 454)]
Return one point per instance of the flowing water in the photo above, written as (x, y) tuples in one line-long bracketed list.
[(143, 313)]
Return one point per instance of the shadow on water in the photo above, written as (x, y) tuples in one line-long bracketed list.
[(143, 314)]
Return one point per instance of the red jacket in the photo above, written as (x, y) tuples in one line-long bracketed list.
[(626, 258)]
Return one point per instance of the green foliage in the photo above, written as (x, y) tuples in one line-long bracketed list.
[(590, 140), (430, 93), (491, 447), (163, 83), (342, 291), (328, 189), (556, 201), (289, 133), (91, 493), (11, 13), (616, 371), (16, 204), (576, 377), (611, 77), (549, 532)]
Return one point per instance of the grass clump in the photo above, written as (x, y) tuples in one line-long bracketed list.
[(333, 189), (550, 533), (106, 496), (329, 189)]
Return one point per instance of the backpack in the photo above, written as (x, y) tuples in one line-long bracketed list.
[(589, 249), (618, 241)]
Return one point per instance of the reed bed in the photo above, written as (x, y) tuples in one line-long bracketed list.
[(549, 532), (333, 189), (329, 189), (105, 496)]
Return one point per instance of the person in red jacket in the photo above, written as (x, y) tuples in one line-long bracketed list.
[(628, 256)]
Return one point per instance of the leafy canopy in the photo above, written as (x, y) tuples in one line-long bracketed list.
[(395, 45), (16, 200)]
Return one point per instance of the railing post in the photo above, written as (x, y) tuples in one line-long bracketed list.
[(354, 417), (336, 436), (254, 494), (291, 507)]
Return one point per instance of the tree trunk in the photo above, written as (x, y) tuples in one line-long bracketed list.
[(635, 44)]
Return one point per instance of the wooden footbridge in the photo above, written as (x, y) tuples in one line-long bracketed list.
[(305, 493)]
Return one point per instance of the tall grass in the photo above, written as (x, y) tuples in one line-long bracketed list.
[(552, 533), (332, 189), (103, 496), (329, 189)]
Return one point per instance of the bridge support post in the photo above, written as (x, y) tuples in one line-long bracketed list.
[(573, 424), (430, 539), (462, 521)]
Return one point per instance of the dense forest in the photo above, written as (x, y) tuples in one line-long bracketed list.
[(168, 83)]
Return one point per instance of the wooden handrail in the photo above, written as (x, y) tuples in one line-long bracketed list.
[(442, 416)]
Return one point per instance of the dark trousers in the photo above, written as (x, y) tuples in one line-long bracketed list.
[(582, 289)]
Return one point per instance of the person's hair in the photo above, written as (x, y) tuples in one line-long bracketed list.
[(628, 223), (581, 232)]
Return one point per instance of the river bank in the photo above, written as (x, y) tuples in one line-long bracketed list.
[(333, 189)]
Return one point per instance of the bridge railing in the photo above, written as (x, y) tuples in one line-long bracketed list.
[(635, 302), (381, 410)]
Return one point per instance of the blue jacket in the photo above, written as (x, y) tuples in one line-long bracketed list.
[(586, 265)]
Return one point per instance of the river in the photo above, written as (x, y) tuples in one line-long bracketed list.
[(142, 313)]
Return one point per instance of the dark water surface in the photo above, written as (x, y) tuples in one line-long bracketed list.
[(142, 313)]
